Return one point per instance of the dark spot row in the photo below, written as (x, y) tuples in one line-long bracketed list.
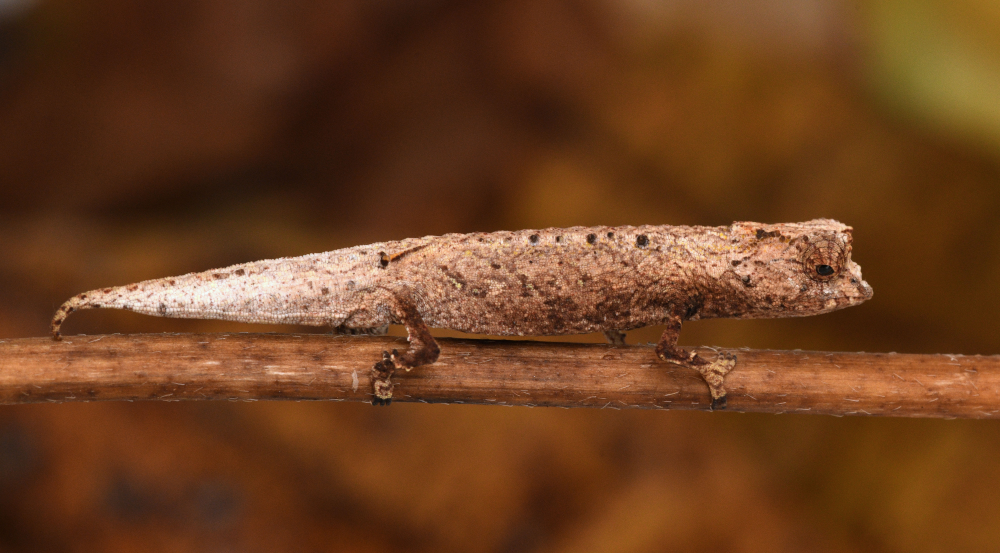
[(640, 241)]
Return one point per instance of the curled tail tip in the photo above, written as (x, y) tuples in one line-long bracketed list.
[(57, 322), (64, 310)]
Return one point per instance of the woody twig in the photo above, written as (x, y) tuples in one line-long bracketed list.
[(320, 367)]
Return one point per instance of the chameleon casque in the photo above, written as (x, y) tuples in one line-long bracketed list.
[(549, 282)]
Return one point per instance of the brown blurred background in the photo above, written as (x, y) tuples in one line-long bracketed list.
[(141, 140)]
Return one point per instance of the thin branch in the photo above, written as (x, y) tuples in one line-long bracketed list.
[(320, 367)]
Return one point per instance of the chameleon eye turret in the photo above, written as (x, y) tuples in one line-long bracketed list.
[(825, 259)]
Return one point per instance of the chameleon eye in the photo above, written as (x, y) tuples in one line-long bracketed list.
[(824, 259)]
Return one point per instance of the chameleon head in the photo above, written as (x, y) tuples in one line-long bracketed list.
[(797, 269)]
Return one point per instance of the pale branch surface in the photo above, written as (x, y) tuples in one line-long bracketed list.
[(320, 367)]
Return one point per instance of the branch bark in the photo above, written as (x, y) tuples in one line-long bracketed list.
[(320, 367)]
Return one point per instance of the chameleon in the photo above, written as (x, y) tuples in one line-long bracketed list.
[(546, 282)]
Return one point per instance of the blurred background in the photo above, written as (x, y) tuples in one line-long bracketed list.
[(141, 140)]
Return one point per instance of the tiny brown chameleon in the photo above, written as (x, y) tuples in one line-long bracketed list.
[(549, 282)]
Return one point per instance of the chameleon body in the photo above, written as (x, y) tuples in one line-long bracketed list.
[(530, 282)]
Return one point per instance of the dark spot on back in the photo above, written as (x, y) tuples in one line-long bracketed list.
[(172, 282), (324, 290), (611, 235), (107, 290), (239, 272), (525, 289), (383, 259), (494, 265), (736, 262), (220, 276), (132, 288), (641, 241), (162, 309), (558, 238), (762, 234), (591, 239), (83, 296), (458, 278), (533, 238)]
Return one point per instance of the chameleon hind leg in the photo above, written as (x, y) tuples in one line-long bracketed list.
[(713, 372), (423, 350)]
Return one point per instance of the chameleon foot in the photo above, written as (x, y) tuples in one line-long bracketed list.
[(381, 380), (714, 374)]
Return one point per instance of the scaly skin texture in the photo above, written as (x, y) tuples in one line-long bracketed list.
[(525, 283)]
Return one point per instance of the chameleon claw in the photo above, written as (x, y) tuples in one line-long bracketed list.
[(381, 380), (718, 403), (382, 392)]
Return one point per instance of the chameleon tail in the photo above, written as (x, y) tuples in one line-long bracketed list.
[(238, 293), (86, 300)]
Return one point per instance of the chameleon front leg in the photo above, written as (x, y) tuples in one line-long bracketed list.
[(714, 372), (423, 350)]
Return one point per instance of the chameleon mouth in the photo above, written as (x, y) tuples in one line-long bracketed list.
[(859, 293), (865, 290), (858, 290), (856, 294)]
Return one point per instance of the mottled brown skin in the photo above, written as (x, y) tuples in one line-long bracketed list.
[(525, 283)]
